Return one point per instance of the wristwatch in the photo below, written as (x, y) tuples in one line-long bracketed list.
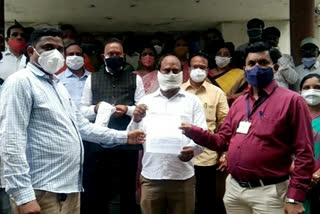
[(292, 201)]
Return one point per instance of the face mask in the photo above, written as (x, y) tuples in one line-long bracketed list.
[(158, 49), (169, 81), (198, 75), (222, 61), (114, 64), (311, 96), (308, 62), (75, 62), (259, 77), (17, 45), (254, 34), (147, 61), (181, 51), (50, 61)]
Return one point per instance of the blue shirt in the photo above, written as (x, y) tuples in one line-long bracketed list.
[(74, 84), (41, 134)]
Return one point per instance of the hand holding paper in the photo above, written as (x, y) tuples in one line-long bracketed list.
[(185, 127), (186, 154)]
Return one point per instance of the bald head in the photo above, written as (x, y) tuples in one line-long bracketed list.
[(170, 63)]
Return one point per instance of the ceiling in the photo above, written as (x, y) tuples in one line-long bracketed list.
[(143, 15)]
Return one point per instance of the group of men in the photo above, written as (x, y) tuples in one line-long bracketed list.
[(43, 124)]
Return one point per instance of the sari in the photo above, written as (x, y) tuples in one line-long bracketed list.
[(227, 79), (150, 81), (311, 204)]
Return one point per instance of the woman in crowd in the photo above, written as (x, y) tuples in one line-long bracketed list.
[(181, 50), (147, 69), (226, 76), (310, 91)]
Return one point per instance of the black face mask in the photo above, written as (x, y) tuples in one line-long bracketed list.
[(114, 64)]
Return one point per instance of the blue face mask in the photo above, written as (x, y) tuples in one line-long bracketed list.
[(309, 62), (259, 77)]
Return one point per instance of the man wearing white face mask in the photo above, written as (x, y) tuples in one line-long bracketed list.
[(75, 76), (167, 177), (216, 107), (42, 131)]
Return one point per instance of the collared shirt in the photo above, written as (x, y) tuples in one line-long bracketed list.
[(280, 128), (74, 84), (10, 64), (216, 108), (41, 134), (304, 71), (87, 109), (158, 166)]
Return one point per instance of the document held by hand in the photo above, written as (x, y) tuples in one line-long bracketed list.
[(163, 133)]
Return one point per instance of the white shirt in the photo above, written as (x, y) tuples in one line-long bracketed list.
[(87, 109), (10, 64), (158, 166), (303, 71), (41, 133)]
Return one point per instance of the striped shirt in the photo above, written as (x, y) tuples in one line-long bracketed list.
[(41, 134)]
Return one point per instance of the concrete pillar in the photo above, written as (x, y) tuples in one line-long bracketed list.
[(302, 24)]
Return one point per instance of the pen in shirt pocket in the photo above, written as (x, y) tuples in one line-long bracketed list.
[(260, 114)]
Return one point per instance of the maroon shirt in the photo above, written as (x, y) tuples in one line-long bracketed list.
[(280, 127)]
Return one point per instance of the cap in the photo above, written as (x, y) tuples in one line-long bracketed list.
[(309, 40)]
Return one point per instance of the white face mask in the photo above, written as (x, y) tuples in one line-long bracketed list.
[(169, 81), (75, 62), (158, 49), (311, 96), (198, 75), (222, 61), (50, 61)]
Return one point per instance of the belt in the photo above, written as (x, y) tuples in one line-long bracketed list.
[(261, 182)]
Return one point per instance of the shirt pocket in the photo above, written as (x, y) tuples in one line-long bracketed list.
[(265, 127), (210, 112)]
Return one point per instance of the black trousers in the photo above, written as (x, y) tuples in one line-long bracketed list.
[(109, 181), (205, 189)]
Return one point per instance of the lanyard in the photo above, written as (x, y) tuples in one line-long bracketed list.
[(256, 105)]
